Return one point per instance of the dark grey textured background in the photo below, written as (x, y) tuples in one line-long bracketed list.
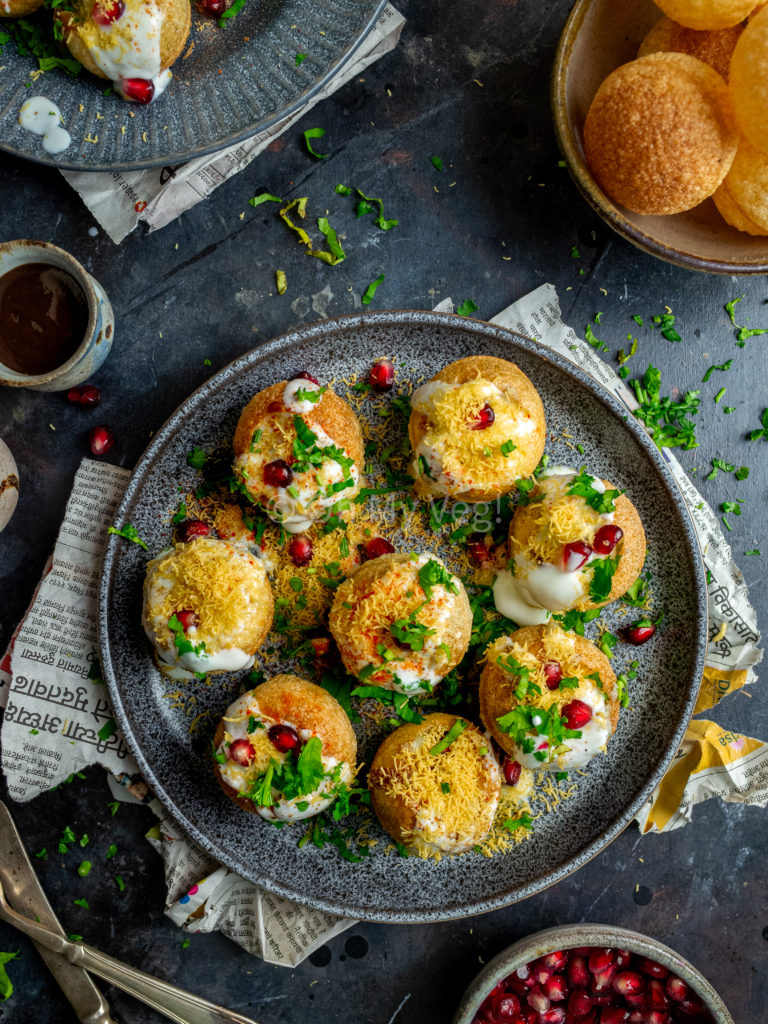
[(702, 889)]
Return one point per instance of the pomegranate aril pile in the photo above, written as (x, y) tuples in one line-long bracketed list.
[(592, 986)]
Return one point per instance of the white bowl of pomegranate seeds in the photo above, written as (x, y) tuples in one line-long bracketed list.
[(590, 974)]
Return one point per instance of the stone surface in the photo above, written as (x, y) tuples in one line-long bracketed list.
[(203, 288)]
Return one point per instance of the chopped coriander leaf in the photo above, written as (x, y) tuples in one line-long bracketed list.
[(186, 943), (607, 642), (601, 501), (231, 12), (368, 205), (343, 190), (466, 307), (129, 532), (281, 282), (85, 840), (723, 366), (84, 868), (433, 574), (742, 332), (196, 458), (108, 729), (370, 291), (513, 824), (754, 551), (111, 851), (42, 854), (82, 903), (719, 395), (445, 787), (264, 197), (300, 58), (589, 337), (335, 254), (574, 252), (6, 986), (118, 879), (403, 705), (183, 646), (507, 448), (637, 595), (602, 578), (719, 464), (732, 507), (727, 525), (410, 632), (664, 418), (621, 690), (638, 320), (574, 621), (666, 322), (624, 356), (113, 806), (755, 435), (437, 163), (453, 733)]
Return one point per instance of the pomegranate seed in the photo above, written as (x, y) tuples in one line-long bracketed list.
[(656, 1017), (213, 8), (555, 1015), (484, 418), (556, 960), (300, 549), (505, 1008), (277, 473), (537, 1000), (657, 999), (541, 974), (555, 988), (84, 394), (636, 1000), (575, 555), (192, 528), (378, 546), (600, 997), (677, 989), (140, 90), (529, 1016), (623, 958), (320, 646), (240, 751), (512, 770), (100, 439), (283, 738), (640, 632), (637, 1017), (577, 973), (652, 968), (628, 982), (606, 538), (382, 375), (106, 13), (304, 375), (613, 1015), (579, 1004), (477, 548), (517, 985), (576, 715), (603, 979), (553, 673), (188, 619)]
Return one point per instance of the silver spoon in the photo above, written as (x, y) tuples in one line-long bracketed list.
[(175, 1003)]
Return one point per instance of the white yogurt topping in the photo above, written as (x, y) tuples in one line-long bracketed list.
[(42, 117), (576, 753), (139, 57), (184, 666), (300, 406), (511, 602)]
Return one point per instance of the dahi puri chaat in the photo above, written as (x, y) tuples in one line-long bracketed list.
[(574, 543), (299, 452), (133, 43), (476, 427), (18, 8), (402, 622), (549, 698), (435, 786), (207, 607), (285, 750)]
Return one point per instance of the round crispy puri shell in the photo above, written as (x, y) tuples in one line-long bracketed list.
[(713, 47), (707, 14), (288, 698), (632, 546), (733, 214), (497, 688), (664, 96), (177, 21), (332, 414), (748, 82), (396, 816), (457, 630), (504, 375), (20, 8), (747, 183)]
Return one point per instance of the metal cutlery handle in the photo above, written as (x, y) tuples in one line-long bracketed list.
[(180, 1006)]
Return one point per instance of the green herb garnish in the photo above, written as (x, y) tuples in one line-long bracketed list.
[(466, 308), (370, 291), (513, 824), (603, 571), (453, 733), (433, 574), (129, 532), (583, 487), (264, 197)]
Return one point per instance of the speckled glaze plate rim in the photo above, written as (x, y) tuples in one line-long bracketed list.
[(37, 155), (476, 331)]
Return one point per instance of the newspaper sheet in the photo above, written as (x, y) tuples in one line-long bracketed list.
[(120, 200), (58, 719)]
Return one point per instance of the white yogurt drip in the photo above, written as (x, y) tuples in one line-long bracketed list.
[(42, 117), (184, 666), (300, 406), (511, 602), (140, 56)]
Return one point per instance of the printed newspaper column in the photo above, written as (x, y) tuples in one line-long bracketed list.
[(58, 717)]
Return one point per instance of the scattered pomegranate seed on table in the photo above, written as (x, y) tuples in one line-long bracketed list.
[(512, 770), (192, 528), (277, 473), (575, 555), (240, 751), (140, 90), (188, 618), (382, 375), (484, 418), (640, 632), (84, 394), (378, 546), (606, 538), (284, 738), (576, 714), (553, 674), (107, 13), (100, 439), (300, 549)]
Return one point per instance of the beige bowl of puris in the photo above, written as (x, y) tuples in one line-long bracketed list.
[(575, 542), (299, 453), (549, 698), (207, 607), (435, 786), (476, 427), (401, 622), (285, 750)]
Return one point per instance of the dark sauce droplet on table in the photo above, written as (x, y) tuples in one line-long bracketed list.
[(765, 933), (321, 957), (642, 896), (356, 947), (43, 318)]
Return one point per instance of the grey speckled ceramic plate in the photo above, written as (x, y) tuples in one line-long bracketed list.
[(381, 887), (202, 110)]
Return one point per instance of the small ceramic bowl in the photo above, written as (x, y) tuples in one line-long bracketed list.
[(9, 484), (605, 936), (600, 36), (96, 343)]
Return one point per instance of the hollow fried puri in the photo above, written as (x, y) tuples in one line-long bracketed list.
[(508, 378), (664, 96), (707, 14), (713, 47), (80, 31), (733, 214), (332, 414), (748, 82), (297, 702), (497, 687)]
